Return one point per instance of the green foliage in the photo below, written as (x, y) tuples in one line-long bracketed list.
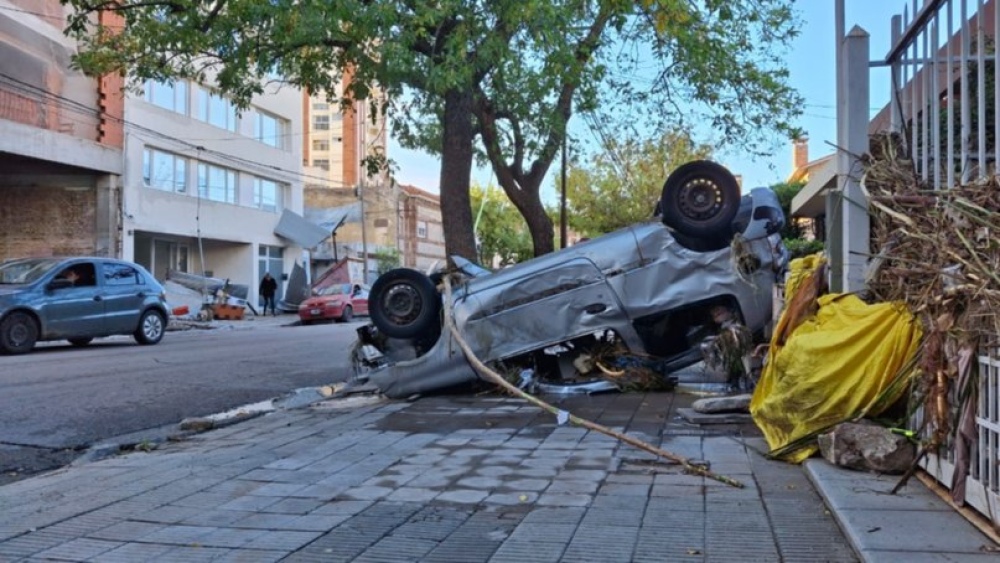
[(798, 247), (509, 73), (500, 230), (786, 192), (386, 259), (792, 234), (621, 186)]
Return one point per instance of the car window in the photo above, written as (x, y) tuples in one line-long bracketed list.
[(121, 274), (335, 289), (25, 271), (81, 275)]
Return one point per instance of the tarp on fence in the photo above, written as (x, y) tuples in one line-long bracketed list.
[(844, 362)]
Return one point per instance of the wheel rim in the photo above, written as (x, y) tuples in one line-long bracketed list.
[(699, 199), (152, 326), (402, 304), (19, 334)]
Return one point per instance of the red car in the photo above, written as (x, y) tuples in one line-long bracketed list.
[(337, 302)]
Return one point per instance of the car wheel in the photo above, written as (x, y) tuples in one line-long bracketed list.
[(80, 341), (701, 199), (348, 315), (404, 303), (150, 329), (18, 333)]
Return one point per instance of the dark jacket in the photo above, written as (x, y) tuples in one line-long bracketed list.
[(268, 286)]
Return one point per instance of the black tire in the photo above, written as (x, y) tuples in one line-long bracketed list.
[(78, 342), (404, 303), (348, 315), (700, 199), (18, 333), (151, 328)]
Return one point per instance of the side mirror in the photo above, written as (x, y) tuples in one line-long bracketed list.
[(60, 283)]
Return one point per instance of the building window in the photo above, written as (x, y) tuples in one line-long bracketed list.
[(167, 95), (269, 129), (164, 171), (321, 122), (321, 106), (266, 194), (216, 110), (322, 163), (321, 145), (216, 183), (421, 229)]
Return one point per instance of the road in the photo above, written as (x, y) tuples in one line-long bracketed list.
[(59, 400)]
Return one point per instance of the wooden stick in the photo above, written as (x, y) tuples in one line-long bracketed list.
[(495, 377)]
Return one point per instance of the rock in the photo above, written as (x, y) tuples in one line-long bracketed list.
[(197, 424), (867, 446), (734, 403)]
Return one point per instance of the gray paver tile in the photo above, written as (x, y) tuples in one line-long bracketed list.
[(78, 549)]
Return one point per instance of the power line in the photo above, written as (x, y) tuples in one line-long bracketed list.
[(68, 103)]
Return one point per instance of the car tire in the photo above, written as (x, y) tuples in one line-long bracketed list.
[(78, 342), (348, 315), (700, 199), (18, 333), (404, 303), (151, 328)]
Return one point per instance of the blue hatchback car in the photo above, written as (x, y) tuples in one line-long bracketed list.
[(77, 299)]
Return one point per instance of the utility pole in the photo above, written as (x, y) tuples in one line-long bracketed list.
[(562, 198), (364, 234)]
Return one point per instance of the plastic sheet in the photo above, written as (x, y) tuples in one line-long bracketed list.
[(838, 365)]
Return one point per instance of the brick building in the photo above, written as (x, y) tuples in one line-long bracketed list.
[(61, 141)]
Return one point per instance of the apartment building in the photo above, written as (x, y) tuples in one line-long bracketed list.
[(61, 141), (211, 189), (338, 190), (421, 239)]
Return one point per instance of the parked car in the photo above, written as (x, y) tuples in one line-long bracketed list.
[(77, 299), (651, 288), (337, 302)]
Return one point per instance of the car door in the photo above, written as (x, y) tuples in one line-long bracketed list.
[(360, 301), (124, 291), (76, 310)]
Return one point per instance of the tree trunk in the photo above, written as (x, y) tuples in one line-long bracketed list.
[(456, 172), (527, 199)]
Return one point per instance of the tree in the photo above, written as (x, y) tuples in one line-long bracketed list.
[(622, 184), (501, 231), (386, 259), (510, 72)]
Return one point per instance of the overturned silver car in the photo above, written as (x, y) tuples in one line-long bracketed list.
[(651, 289)]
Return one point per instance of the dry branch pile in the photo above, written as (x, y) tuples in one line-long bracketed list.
[(937, 252)]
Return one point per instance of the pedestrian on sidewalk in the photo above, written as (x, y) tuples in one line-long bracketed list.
[(267, 288)]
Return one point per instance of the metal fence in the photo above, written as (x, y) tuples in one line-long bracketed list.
[(943, 103)]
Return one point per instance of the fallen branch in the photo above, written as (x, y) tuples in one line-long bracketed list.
[(562, 415)]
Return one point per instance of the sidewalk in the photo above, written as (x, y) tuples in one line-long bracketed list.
[(468, 478)]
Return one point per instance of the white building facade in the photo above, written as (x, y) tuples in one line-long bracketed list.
[(204, 186)]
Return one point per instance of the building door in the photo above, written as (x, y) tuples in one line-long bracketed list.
[(169, 255), (271, 259)]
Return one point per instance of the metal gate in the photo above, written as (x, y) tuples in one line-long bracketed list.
[(944, 72)]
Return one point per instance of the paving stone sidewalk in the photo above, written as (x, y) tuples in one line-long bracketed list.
[(460, 479)]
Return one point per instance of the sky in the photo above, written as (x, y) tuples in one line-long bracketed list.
[(811, 64)]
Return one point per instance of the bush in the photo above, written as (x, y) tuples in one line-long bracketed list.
[(798, 248)]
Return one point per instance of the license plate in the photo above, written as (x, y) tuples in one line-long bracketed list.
[(314, 311)]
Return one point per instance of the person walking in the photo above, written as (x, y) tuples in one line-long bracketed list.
[(267, 288)]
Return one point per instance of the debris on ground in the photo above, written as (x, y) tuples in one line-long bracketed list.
[(867, 446)]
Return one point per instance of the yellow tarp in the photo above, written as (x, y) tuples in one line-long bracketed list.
[(837, 365)]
